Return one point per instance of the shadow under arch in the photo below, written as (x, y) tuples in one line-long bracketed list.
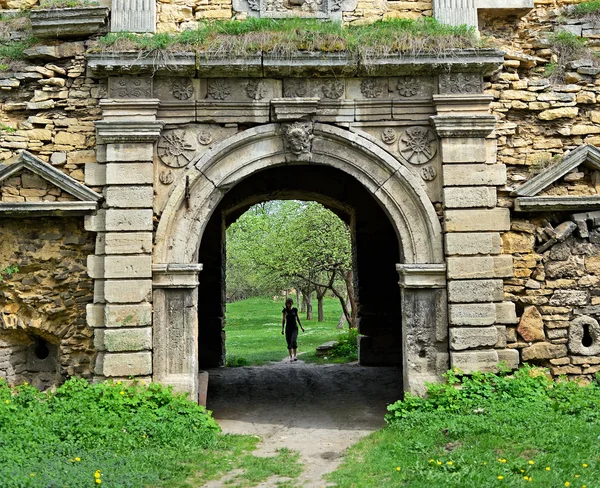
[(209, 178)]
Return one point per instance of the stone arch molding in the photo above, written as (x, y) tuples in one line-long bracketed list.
[(210, 176)]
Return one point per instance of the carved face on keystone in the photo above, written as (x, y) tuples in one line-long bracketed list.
[(298, 137)]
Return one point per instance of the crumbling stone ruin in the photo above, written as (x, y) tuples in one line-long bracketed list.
[(470, 180)]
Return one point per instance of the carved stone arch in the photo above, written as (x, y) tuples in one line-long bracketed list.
[(208, 178)]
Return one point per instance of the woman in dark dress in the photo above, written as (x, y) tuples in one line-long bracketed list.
[(290, 322)]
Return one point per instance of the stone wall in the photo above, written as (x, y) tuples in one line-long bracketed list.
[(42, 306)]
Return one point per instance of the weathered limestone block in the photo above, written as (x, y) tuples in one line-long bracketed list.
[(476, 314), (501, 343), (544, 350), (531, 326), (464, 150), (469, 197), (95, 174), (129, 152), (128, 220), (129, 174), (592, 264), (480, 267), (584, 336), (510, 357), (573, 266), (124, 243), (124, 364), (569, 297), (122, 340), (127, 291), (474, 175), (497, 219), (120, 266), (472, 337), (471, 243), (129, 196), (559, 113), (473, 361), (475, 291), (128, 315)]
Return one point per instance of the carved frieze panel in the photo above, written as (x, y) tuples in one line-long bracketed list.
[(409, 87), (327, 89), (130, 87), (179, 89), (456, 83), (176, 148), (279, 9), (368, 88), (241, 89)]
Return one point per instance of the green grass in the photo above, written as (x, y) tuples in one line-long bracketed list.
[(492, 431), (254, 331), (584, 9), (124, 436), (282, 37)]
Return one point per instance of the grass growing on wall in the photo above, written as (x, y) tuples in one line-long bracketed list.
[(283, 37), (583, 10)]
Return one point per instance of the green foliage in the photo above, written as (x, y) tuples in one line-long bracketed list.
[(486, 430), (347, 346), (56, 4), (568, 47), (254, 331), (282, 37), (236, 361), (9, 270), (584, 9)]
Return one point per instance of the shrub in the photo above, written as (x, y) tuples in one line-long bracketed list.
[(346, 347)]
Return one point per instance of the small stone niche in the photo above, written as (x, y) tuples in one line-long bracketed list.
[(584, 336)]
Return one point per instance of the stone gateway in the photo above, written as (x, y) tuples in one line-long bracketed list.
[(121, 173)]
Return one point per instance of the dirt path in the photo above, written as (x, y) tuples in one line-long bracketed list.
[(317, 410)]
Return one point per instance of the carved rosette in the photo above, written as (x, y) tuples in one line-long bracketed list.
[(389, 136), (182, 89), (205, 137), (453, 83), (428, 173), (408, 86), (417, 145), (371, 88), (295, 89), (219, 89), (298, 137), (333, 89), (130, 87), (174, 148), (255, 90)]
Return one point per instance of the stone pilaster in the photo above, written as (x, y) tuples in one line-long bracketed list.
[(176, 329), (133, 16), (425, 324), (122, 263), (472, 227)]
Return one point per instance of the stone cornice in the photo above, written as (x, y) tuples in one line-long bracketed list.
[(464, 125), (301, 64), (47, 209), (556, 204), (128, 131), (175, 275), (422, 275)]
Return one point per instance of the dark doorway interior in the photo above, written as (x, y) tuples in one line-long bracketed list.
[(374, 240)]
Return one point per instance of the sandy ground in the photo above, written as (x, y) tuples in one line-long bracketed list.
[(317, 410)]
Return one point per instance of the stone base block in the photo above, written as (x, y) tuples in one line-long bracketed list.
[(510, 357), (121, 340), (124, 364), (473, 361), (472, 337), (475, 314), (470, 197), (464, 149), (475, 291), (480, 267), (100, 267)]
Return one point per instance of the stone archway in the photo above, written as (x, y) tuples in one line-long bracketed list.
[(210, 177)]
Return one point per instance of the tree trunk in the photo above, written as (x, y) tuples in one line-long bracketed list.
[(297, 297), (320, 313), (342, 321), (303, 306), (309, 308)]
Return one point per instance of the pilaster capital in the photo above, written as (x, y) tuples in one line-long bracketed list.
[(116, 131), (422, 275), (175, 275), (464, 125)]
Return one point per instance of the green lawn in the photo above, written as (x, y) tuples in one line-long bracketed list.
[(254, 331)]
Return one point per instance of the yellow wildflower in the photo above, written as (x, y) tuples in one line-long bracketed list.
[(449, 463), (576, 476), (122, 392), (522, 471), (7, 401), (567, 483), (77, 459), (439, 463), (530, 479), (500, 477), (26, 383), (584, 465), (547, 468), (431, 461), (31, 474), (398, 468), (531, 462), (118, 382), (97, 474), (98, 480)]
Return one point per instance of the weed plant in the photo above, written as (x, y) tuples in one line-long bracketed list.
[(485, 430), (346, 347), (285, 37), (58, 4), (568, 47), (584, 10), (11, 50)]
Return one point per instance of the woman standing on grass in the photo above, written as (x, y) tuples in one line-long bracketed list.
[(290, 316)]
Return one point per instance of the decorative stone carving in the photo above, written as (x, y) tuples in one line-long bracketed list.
[(461, 83), (413, 86), (295, 89), (584, 336), (205, 137), (138, 16), (389, 136), (174, 150), (428, 173), (371, 87), (219, 89), (130, 87), (320, 9), (182, 89), (298, 137), (417, 145), (256, 89), (333, 89), (166, 177)]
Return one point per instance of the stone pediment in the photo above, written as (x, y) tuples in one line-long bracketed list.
[(37, 188), (528, 198)]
